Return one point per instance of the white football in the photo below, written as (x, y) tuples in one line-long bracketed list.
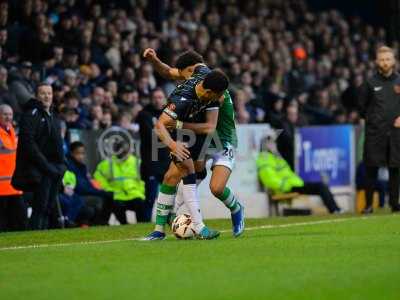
[(182, 227)]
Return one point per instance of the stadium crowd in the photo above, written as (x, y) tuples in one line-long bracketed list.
[(288, 65), (278, 56)]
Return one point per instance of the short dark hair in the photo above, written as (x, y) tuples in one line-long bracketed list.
[(187, 59), (71, 95), (216, 81), (76, 145), (42, 84)]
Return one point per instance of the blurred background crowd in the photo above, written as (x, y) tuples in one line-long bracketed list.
[(286, 63)]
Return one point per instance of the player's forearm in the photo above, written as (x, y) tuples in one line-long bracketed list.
[(161, 68), (164, 135), (200, 128)]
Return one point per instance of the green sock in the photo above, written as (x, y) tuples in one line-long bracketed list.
[(229, 199), (165, 204)]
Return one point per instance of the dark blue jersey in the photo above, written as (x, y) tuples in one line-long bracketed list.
[(184, 104)]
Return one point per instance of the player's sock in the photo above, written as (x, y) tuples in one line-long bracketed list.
[(178, 198), (165, 202), (179, 202), (230, 201), (192, 202)]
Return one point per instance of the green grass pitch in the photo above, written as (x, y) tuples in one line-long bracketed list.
[(346, 257)]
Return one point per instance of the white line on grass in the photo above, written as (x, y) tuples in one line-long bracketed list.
[(261, 227)]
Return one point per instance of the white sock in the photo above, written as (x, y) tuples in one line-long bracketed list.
[(179, 201), (193, 204)]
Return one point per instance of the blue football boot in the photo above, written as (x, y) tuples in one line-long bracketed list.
[(238, 221), (155, 236)]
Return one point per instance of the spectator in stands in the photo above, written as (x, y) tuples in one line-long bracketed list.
[(6, 97), (276, 175), (300, 54), (13, 209), (152, 169), (286, 138), (40, 157), (120, 176), (127, 98), (84, 186), (21, 84), (79, 118)]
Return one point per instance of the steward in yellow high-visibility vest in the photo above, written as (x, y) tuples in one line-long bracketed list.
[(121, 177), (276, 175)]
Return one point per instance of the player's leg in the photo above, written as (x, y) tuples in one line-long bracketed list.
[(222, 166), (191, 200), (201, 173), (165, 201)]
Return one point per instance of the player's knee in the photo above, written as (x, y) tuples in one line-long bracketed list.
[(216, 188)]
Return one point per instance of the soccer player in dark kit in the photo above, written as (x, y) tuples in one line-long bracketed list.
[(195, 95)]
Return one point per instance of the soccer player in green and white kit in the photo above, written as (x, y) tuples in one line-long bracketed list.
[(223, 157)]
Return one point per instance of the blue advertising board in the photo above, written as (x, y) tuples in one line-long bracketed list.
[(326, 153)]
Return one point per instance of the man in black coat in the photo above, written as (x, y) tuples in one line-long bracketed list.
[(379, 99), (152, 171), (40, 163)]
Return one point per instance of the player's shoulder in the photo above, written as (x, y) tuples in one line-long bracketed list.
[(213, 105), (179, 98), (201, 70)]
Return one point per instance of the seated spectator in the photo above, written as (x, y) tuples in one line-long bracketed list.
[(127, 98), (120, 175), (276, 175), (21, 83), (96, 115), (79, 118), (74, 208), (84, 186), (340, 116), (106, 121), (6, 96)]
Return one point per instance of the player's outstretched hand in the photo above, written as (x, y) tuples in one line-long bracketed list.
[(149, 53), (180, 151)]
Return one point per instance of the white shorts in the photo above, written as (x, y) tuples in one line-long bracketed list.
[(225, 157)]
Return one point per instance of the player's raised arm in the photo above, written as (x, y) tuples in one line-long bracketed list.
[(177, 148), (161, 68)]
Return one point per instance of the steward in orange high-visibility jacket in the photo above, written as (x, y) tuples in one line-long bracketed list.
[(13, 210)]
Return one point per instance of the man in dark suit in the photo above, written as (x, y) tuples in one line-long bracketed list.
[(40, 163)]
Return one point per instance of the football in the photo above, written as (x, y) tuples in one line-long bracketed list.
[(182, 227)]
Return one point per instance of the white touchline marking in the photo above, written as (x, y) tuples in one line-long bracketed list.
[(261, 227)]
